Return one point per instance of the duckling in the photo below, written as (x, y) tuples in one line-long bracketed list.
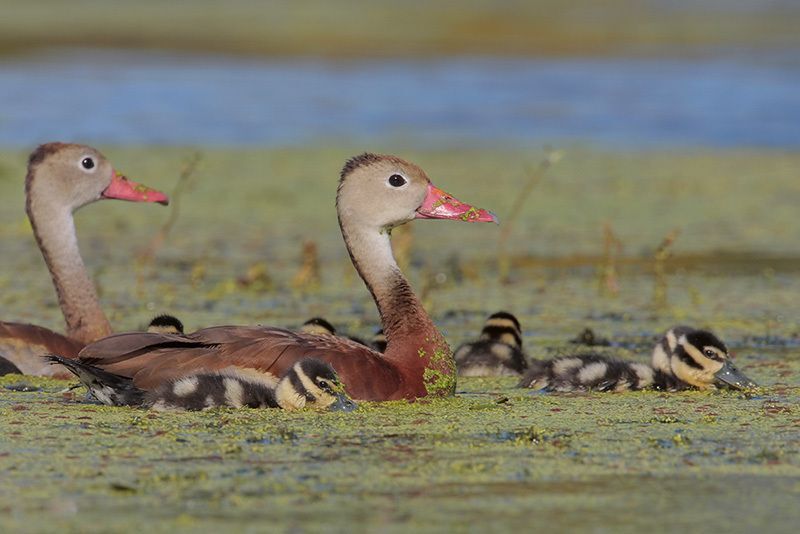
[(308, 383), (685, 358), (318, 326), (697, 358), (498, 351), (379, 341), (8, 368), (108, 388), (321, 327), (165, 324)]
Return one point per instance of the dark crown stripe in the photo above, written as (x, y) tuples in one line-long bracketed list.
[(358, 161), (686, 358), (495, 332), (505, 315), (703, 338), (42, 151)]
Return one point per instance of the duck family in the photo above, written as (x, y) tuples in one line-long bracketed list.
[(376, 193), (165, 368)]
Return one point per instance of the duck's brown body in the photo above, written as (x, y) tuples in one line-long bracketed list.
[(22, 344), (375, 194), (151, 359)]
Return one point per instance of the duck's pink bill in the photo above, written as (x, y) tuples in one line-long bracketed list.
[(123, 189), (441, 205)]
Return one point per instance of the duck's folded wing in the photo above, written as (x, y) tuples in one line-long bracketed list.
[(150, 359)]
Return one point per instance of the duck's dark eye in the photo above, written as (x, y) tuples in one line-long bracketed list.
[(710, 353), (87, 163), (396, 180), (323, 384)]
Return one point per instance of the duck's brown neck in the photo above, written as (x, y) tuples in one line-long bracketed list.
[(413, 341), (54, 229)]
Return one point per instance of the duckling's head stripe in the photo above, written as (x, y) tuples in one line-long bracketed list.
[(503, 334), (503, 315)]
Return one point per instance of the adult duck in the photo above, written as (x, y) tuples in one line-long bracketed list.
[(62, 178), (375, 194)]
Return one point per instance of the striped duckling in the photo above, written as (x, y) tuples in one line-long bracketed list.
[(498, 350), (165, 324), (685, 358), (309, 383)]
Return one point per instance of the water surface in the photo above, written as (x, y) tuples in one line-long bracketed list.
[(139, 98)]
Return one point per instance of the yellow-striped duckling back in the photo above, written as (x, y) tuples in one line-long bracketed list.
[(498, 350), (685, 358), (322, 327), (165, 324), (309, 383), (318, 326)]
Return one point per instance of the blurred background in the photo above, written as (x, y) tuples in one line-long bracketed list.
[(618, 73)]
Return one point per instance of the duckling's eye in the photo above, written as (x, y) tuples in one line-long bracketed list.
[(396, 180), (87, 163), (711, 354), (323, 384)]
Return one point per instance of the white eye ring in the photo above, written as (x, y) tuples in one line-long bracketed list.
[(87, 163), (396, 181)]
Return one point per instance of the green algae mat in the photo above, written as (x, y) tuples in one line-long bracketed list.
[(493, 457)]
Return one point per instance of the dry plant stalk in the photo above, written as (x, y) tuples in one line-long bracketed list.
[(147, 254), (534, 177), (612, 251), (308, 277), (662, 254), (256, 278)]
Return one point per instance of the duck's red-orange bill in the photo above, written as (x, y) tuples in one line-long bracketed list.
[(441, 205), (123, 189)]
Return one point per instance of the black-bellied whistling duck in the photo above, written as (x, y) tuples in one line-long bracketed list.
[(497, 352), (375, 194), (165, 324), (61, 179), (684, 358)]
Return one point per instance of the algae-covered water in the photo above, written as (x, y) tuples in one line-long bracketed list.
[(493, 456)]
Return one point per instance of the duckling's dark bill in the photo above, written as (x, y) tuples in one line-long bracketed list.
[(441, 205), (730, 376), (343, 404)]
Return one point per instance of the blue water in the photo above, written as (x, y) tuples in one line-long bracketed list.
[(121, 97)]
